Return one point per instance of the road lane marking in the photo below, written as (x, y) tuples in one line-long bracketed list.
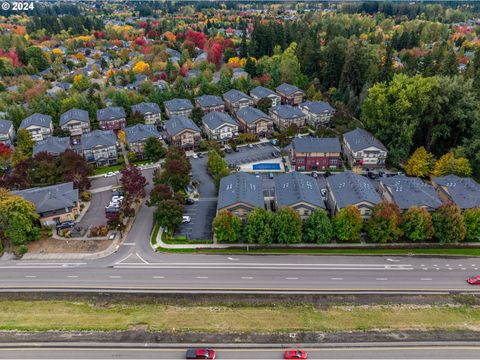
[(291, 278), (125, 258), (144, 261), (129, 244), (159, 277), (30, 276), (464, 269), (114, 276), (202, 277), (247, 277), (381, 279), (425, 279), (336, 278), (72, 276)]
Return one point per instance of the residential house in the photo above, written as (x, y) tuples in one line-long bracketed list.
[(137, 136), (139, 80), (7, 132), (178, 107), (76, 121), (409, 191), (54, 204), (182, 131), (285, 116), (312, 154), (235, 100), (261, 92), (210, 103), (100, 147), (318, 112), (254, 121), (111, 118), (40, 126), (299, 192), (52, 145), (347, 189), (150, 111), (464, 192), (219, 126), (290, 94), (364, 150), (239, 73), (240, 193)]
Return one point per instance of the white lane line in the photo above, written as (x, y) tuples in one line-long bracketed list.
[(247, 278), (464, 269), (114, 277), (381, 279), (159, 277), (144, 261), (202, 277), (426, 279), (336, 279), (72, 276), (291, 278), (424, 269), (450, 269), (129, 244), (475, 268), (30, 276), (125, 258), (236, 267)]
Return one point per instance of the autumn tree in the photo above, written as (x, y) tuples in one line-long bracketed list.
[(169, 214), (264, 104), (133, 183), (449, 164), (154, 149), (471, 218), (290, 66), (227, 227), (318, 228), (258, 227), (448, 224), (141, 67), (24, 147), (383, 225), (5, 155), (420, 164), (417, 225), (287, 226), (348, 224), (160, 193)]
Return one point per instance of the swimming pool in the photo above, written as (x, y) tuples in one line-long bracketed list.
[(266, 166)]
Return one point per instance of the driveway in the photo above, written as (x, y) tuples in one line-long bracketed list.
[(245, 155), (95, 214)]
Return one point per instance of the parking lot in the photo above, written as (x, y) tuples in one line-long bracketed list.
[(95, 214), (245, 154)]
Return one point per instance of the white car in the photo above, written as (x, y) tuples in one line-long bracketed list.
[(195, 156), (186, 219), (109, 174), (117, 198), (113, 204)]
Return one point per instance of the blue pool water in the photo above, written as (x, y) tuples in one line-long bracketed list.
[(266, 166)]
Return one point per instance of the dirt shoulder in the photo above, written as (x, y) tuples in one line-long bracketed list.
[(45, 246)]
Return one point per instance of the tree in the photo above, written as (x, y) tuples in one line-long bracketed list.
[(159, 193), (290, 66), (258, 227), (169, 214), (250, 67), (476, 72), (243, 44), (24, 147), (448, 224), (383, 225), (318, 227), (471, 218), (417, 225), (36, 58), (264, 104), (348, 224), (141, 67), (175, 173), (448, 164), (287, 226), (5, 155), (154, 149), (197, 115), (386, 73), (420, 164), (226, 227), (133, 182)]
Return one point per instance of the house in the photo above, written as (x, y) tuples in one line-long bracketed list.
[(235, 100), (464, 192), (7, 132), (150, 111), (285, 116), (76, 121), (261, 92), (240, 193), (40, 126), (111, 118), (210, 103), (312, 154), (290, 94), (54, 204), (364, 150), (299, 192), (178, 107), (409, 191), (318, 112), (182, 131), (219, 126), (137, 136), (347, 189), (100, 147), (254, 121), (52, 145), (239, 73)]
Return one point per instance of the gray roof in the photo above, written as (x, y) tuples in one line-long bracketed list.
[(178, 104), (240, 187), (96, 138), (53, 145), (179, 123), (411, 191), (209, 100), (313, 144), (141, 132), (250, 114), (287, 112), (145, 108), (173, 52), (360, 139), (38, 120), (74, 114), (465, 192), (317, 107), (287, 89), (235, 95), (5, 126), (51, 198), (110, 113), (349, 188), (216, 119), (295, 187), (262, 92)]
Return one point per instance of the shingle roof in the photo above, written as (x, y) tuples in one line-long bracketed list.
[(411, 191), (295, 187), (360, 139), (36, 119), (5, 126), (178, 104), (74, 114), (465, 192), (141, 132), (349, 188), (235, 95), (53, 145), (313, 144), (240, 187), (317, 107), (216, 119), (262, 92), (250, 114), (209, 100), (179, 123), (98, 138), (287, 89), (50, 198), (287, 112), (146, 108), (110, 113)]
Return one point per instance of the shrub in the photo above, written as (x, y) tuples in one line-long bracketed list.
[(348, 224), (318, 227), (472, 224), (417, 224), (383, 226), (448, 224), (93, 232), (86, 196), (103, 230)]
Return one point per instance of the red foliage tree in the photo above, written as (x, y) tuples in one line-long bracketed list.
[(133, 182), (12, 56), (199, 38)]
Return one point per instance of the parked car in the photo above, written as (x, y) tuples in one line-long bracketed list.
[(111, 209), (117, 198), (236, 149), (186, 219), (65, 225), (275, 154), (195, 156), (314, 174), (372, 175), (227, 150), (117, 193), (200, 155), (250, 146), (109, 174), (189, 201), (270, 175), (475, 280), (203, 353), (295, 354), (257, 174), (113, 205)]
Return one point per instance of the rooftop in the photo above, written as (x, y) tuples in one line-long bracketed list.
[(74, 114), (250, 114), (36, 119), (295, 187), (360, 139), (314, 144), (216, 119), (349, 188), (179, 123), (110, 113), (240, 188), (178, 104), (465, 192), (52, 145)]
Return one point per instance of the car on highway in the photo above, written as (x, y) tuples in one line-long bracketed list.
[(295, 354), (65, 225), (109, 174), (474, 280), (186, 219), (203, 353)]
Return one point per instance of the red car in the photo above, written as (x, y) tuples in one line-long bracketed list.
[(202, 353), (474, 280), (295, 354)]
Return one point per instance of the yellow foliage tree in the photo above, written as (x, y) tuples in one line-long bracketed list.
[(448, 164), (420, 163), (122, 137), (57, 51), (141, 67)]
